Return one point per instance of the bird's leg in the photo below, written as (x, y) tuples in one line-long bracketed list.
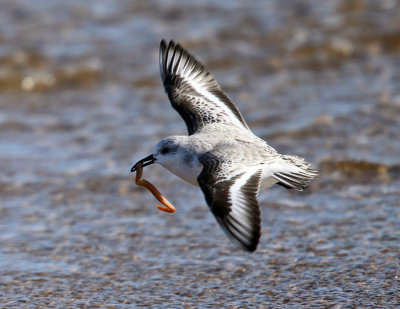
[(168, 207)]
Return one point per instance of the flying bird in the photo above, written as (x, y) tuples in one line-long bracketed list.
[(220, 153)]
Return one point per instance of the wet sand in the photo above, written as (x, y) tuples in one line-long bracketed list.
[(81, 100)]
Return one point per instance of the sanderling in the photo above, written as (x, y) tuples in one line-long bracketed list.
[(220, 154)]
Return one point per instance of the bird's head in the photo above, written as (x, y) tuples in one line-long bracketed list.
[(165, 152)]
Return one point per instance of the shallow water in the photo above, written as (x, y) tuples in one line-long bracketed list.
[(81, 101)]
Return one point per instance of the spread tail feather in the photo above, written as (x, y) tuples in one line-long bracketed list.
[(296, 174)]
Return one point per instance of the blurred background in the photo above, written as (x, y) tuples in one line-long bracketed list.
[(81, 100)]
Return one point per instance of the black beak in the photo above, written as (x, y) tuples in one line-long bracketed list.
[(146, 161)]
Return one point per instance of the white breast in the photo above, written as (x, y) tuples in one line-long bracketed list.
[(187, 169)]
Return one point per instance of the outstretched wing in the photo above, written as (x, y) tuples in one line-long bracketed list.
[(193, 91), (232, 198)]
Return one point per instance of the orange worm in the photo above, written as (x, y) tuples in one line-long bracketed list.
[(168, 207)]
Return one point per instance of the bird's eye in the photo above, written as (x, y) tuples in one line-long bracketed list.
[(164, 150)]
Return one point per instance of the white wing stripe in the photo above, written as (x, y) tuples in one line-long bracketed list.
[(195, 78), (218, 102), (238, 199)]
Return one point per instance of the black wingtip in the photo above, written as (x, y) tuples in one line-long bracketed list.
[(252, 249), (248, 244), (162, 56), (168, 45), (165, 50)]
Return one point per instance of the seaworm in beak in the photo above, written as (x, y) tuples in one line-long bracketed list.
[(168, 207)]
